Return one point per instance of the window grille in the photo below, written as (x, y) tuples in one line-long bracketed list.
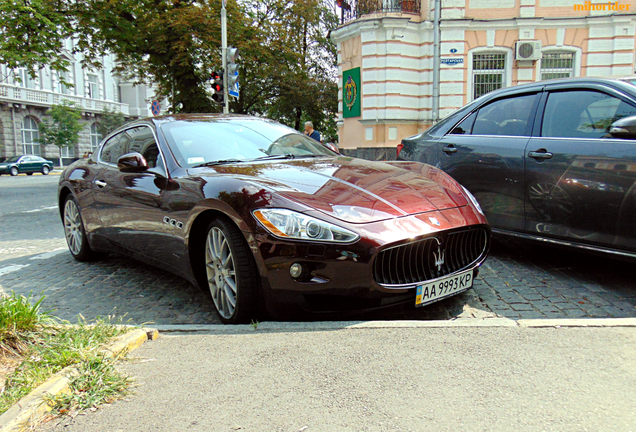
[(557, 65), (30, 133), (488, 73)]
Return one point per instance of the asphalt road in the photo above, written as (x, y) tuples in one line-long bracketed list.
[(406, 379)]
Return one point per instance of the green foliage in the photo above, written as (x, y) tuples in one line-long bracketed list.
[(287, 66), (52, 348), (19, 318), (64, 130), (109, 121), (33, 33)]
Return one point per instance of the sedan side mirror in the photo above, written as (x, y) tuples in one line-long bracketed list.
[(624, 128), (132, 163)]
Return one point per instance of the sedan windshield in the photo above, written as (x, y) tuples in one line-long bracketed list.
[(237, 140), (13, 159)]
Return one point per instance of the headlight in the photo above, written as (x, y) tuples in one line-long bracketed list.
[(293, 225), (473, 200)]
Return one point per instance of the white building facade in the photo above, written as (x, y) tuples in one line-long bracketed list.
[(484, 45), (24, 103)]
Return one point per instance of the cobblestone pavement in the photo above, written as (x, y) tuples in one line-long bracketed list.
[(519, 280)]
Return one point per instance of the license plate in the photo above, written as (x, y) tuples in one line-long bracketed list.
[(448, 286)]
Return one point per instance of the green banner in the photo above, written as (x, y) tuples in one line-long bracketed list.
[(351, 89)]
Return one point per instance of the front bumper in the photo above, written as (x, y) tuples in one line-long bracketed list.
[(341, 277)]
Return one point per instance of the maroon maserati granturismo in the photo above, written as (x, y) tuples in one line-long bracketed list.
[(270, 221)]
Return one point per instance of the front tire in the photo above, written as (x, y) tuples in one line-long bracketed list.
[(74, 232), (231, 273), (46, 170), (14, 171)]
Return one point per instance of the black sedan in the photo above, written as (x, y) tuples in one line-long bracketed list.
[(553, 161), (27, 164), (264, 217)]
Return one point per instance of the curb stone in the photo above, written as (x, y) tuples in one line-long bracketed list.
[(32, 408), (360, 325)]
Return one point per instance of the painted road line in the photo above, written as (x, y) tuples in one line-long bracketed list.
[(50, 254), (40, 209), (12, 268)]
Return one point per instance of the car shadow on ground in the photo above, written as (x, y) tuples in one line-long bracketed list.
[(519, 280)]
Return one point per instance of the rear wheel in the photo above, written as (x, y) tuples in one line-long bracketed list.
[(45, 170), (74, 232), (14, 171), (231, 273)]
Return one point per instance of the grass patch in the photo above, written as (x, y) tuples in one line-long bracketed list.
[(47, 346)]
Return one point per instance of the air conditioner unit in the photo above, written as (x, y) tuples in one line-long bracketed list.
[(528, 50)]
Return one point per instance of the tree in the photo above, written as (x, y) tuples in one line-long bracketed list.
[(109, 121), (64, 130), (33, 34)]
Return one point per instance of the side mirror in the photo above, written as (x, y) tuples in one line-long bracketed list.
[(332, 147), (624, 128), (132, 163)]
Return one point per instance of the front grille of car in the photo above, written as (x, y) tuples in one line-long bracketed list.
[(421, 260)]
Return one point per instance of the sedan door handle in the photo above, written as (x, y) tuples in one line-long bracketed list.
[(541, 154), (449, 149), (100, 184)]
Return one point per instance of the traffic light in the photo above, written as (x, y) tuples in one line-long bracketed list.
[(231, 68), (217, 87)]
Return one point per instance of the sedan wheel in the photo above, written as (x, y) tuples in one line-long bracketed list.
[(74, 232), (45, 170), (231, 273), (14, 171)]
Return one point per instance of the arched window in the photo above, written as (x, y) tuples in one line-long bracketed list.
[(96, 137), (489, 69), (30, 134)]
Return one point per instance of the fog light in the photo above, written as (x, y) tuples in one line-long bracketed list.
[(296, 270)]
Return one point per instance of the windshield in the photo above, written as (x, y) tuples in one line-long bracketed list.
[(13, 159), (198, 142)]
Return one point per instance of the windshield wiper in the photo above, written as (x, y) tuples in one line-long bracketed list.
[(219, 162), (281, 156), (312, 156)]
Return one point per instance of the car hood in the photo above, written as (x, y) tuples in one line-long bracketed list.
[(355, 190)]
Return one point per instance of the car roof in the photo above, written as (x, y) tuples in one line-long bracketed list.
[(617, 82)]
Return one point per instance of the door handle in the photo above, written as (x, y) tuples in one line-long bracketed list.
[(449, 149), (100, 184), (540, 154)]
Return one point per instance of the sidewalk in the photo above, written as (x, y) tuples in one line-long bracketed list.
[(379, 379)]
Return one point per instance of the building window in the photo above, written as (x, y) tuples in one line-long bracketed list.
[(93, 86), (67, 152), (96, 137), (557, 65), (488, 73), (24, 79), (30, 134), (61, 87)]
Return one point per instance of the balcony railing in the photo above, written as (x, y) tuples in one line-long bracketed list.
[(353, 9), (14, 94)]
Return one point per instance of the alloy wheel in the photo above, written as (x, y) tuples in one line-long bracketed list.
[(221, 273), (73, 227)]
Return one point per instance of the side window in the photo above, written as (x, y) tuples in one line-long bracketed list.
[(465, 126), (114, 148), (508, 117), (582, 114), (143, 141)]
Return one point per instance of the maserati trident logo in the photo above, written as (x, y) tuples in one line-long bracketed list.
[(439, 258)]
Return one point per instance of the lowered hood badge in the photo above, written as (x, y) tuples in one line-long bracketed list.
[(434, 221)]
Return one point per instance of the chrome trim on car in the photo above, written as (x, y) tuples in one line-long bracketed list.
[(565, 243), (450, 253)]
